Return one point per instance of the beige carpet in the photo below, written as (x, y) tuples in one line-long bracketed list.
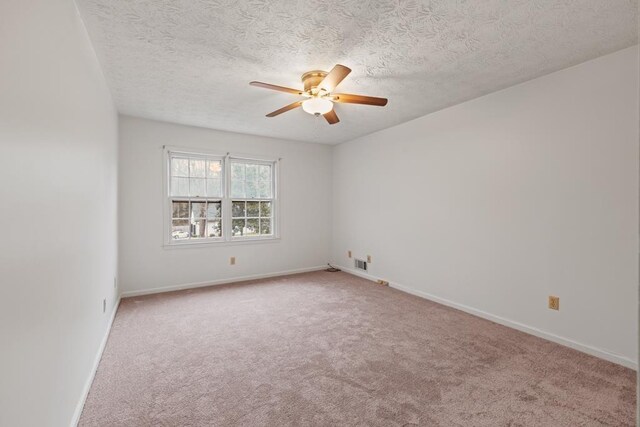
[(332, 349)]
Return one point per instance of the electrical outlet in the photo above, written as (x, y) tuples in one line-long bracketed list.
[(554, 302), (349, 254), (104, 305), (369, 259), (232, 260)]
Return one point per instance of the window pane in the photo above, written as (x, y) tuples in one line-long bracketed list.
[(237, 189), (251, 189), (180, 229), (251, 172), (237, 171), (197, 168), (198, 228), (180, 210), (214, 210), (179, 167), (237, 209), (265, 209), (253, 209), (213, 188), (265, 226), (196, 187), (264, 173), (214, 229), (180, 187), (252, 228), (214, 169), (198, 210), (264, 189), (237, 227)]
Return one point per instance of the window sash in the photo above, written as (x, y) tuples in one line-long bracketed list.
[(190, 178), (258, 179), (259, 218), (190, 218)]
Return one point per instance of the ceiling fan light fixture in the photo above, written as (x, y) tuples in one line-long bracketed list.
[(317, 106), (319, 93)]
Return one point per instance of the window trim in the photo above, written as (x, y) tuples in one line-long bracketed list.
[(226, 199)]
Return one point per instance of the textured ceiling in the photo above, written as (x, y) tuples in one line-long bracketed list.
[(190, 61)]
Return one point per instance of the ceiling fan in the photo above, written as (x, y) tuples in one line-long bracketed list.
[(318, 89)]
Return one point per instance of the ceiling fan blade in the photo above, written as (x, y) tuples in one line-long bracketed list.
[(346, 98), (331, 117), (335, 76), (276, 87), (285, 109)]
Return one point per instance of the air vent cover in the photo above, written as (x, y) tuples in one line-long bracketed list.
[(361, 264)]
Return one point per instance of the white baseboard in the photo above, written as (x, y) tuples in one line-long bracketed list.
[(219, 282), (603, 354), (357, 273), (87, 386)]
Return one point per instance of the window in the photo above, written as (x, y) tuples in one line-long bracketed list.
[(251, 198), (218, 199)]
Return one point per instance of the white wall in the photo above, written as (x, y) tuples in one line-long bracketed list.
[(58, 183), (497, 203), (305, 206)]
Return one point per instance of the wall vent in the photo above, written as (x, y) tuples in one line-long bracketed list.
[(361, 264)]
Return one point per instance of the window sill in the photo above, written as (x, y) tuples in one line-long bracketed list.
[(217, 243)]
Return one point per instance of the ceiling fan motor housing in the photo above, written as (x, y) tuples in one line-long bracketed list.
[(312, 79)]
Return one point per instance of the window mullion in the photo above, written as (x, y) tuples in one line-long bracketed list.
[(226, 200)]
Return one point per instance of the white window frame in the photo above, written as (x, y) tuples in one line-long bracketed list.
[(226, 198)]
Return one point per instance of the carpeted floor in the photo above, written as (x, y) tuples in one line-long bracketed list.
[(332, 349)]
